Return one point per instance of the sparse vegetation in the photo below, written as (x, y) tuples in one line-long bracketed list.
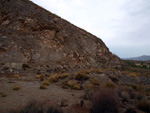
[(16, 88), (81, 76), (144, 105), (63, 75), (100, 70), (39, 76), (46, 83), (77, 109), (3, 94), (138, 64), (43, 87), (73, 84), (53, 78), (105, 101), (95, 81), (90, 86), (25, 66), (36, 107), (133, 74), (16, 76), (110, 84)]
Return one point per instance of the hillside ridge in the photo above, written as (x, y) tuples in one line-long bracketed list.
[(31, 35)]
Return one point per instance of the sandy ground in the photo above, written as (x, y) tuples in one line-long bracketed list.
[(30, 91)]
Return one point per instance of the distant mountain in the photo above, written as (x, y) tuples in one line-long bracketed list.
[(140, 58)]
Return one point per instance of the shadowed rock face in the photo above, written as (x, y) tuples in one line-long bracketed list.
[(34, 36)]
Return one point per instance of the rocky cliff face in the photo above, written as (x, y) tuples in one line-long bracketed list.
[(33, 36)]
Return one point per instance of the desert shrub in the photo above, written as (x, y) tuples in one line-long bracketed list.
[(130, 110), (114, 79), (76, 87), (43, 87), (25, 66), (90, 86), (16, 76), (63, 75), (124, 96), (70, 83), (88, 94), (73, 84), (46, 83), (133, 74), (34, 107), (110, 84), (77, 109), (100, 70), (3, 94), (39, 76), (53, 109), (144, 106), (53, 78), (95, 81), (105, 101), (81, 76), (132, 86), (16, 88)]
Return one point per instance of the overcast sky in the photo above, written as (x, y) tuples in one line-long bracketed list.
[(123, 25)]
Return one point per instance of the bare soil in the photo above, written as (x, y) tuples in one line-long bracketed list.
[(30, 91)]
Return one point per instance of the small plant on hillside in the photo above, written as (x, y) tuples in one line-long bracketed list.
[(39, 76), (16, 88), (16, 76), (90, 86), (133, 74), (95, 81), (100, 70), (2, 94), (63, 75), (46, 83), (144, 105), (73, 84), (53, 78), (105, 101), (81, 76), (43, 87), (25, 66), (76, 87), (110, 84), (36, 107), (77, 109)]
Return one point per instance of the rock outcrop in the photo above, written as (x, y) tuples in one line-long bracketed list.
[(31, 35)]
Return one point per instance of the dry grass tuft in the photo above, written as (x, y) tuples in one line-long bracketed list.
[(39, 76), (53, 78), (81, 76), (63, 75), (16, 76), (133, 74), (16, 88), (110, 84), (3, 94), (46, 83), (43, 87), (95, 81)]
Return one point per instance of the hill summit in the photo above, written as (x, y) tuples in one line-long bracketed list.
[(30, 36)]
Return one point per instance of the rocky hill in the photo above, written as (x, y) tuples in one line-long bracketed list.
[(30, 36)]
